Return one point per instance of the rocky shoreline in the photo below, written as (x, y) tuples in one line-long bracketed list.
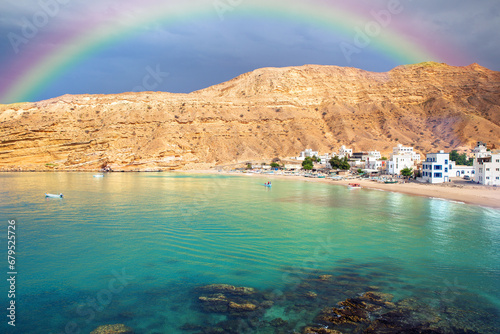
[(245, 310)]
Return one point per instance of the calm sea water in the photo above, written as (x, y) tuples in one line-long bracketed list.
[(134, 248)]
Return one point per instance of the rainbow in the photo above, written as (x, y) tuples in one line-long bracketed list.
[(36, 69)]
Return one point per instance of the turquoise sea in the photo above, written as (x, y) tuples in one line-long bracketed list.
[(136, 248)]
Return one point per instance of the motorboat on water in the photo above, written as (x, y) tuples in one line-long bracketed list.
[(54, 195), (354, 186)]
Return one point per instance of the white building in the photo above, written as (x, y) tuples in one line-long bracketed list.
[(344, 152), (487, 169), (461, 171), (292, 167), (356, 163), (436, 168), (480, 150), (373, 163), (400, 149), (307, 153), (398, 162), (325, 158), (375, 154)]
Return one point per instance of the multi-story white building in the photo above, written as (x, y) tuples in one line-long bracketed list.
[(400, 149), (344, 152), (398, 162), (375, 154), (402, 157), (436, 168), (373, 163), (325, 158), (487, 169), (480, 150)]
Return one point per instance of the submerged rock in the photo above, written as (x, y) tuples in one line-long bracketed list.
[(113, 329), (320, 330), (267, 304), (234, 301), (242, 307), (353, 314), (227, 289), (278, 322), (311, 295), (217, 303)]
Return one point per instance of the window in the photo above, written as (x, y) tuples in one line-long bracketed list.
[(498, 178), (462, 172), (438, 175), (446, 161), (446, 170), (487, 177), (498, 169), (498, 160), (438, 167), (487, 169)]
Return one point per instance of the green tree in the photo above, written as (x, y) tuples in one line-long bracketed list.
[(316, 159), (249, 166), (335, 162), (338, 163), (360, 171), (308, 163), (461, 159), (345, 164), (275, 165), (407, 172), (383, 158)]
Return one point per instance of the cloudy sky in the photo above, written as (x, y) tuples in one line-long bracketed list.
[(55, 47)]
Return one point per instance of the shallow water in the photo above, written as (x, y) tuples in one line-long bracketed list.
[(169, 234)]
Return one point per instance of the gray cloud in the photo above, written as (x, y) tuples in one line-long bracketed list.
[(205, 50)]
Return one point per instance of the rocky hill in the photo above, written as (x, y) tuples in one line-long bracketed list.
[(267, 113)]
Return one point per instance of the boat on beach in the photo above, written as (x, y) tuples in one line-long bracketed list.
[(53, 195), (354, 186)]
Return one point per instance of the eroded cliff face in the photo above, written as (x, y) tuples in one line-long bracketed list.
[(270, 112)]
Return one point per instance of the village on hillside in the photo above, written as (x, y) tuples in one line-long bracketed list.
[(483, 167)]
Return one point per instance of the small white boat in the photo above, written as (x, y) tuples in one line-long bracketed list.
[(54, 195), (99, 175)]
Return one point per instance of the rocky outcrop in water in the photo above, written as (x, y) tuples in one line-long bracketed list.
[(343, 301), (228, 299), (113, 329), (267, 113)]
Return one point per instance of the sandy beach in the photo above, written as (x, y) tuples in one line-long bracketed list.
[(457, 190)]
